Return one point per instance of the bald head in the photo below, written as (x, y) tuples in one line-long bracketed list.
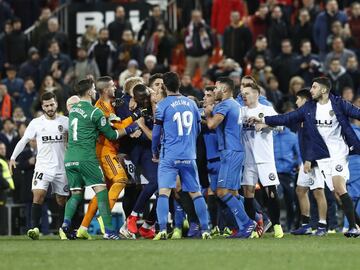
[(71, 102)]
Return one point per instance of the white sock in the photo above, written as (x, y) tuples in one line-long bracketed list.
[(134, 214), (146, 225), (322, 221), (84, 228)]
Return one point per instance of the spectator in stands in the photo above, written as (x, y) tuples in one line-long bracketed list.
[(354, 24), (5, 13), (260, 71), (89, 37), (352, 68), (187, 89), (54, 33), (15, 45), (55, 63), (151, 23), (337, 30), (117, 27), (50, 85), (338, 51), (312, 7), (28, 97), (220, 14), (259, 22), (31, 68), (295, 85), (198, 44), (13, 83), (160, 44), (348, 94), (19, 116), (273, 94), (237, 39), (260, 48), (6, 103), (284, 66), (41, 26), (131, 71), (9, 136), (278, 30), (308, 64), (302, 30), (322, 25), (103, 51), (236, 77), (338, 76), (82, 67), (152, 66), (3, 36)]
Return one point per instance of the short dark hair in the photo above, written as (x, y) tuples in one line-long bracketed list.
[(47, 96), (304, 93), (51, 42), (154, 77), (83, 86), (249, 77), (335, 59), (171, 81), (324, 81), (139, 88), (210, 88), (303, 41), (228, 82)]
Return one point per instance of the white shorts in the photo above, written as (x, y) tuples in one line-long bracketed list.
[(334, 167), (265, 172), (314, 179), (59, 182)]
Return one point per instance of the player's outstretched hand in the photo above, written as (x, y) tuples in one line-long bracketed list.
[(260, 127), (253, 120), (12, 165), (307, 167), (136, 134)]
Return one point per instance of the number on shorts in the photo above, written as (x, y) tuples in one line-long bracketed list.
[(38, 176), (74, 124), (130, 168), (184, 120)]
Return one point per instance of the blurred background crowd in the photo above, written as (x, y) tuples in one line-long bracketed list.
[(283, 44)]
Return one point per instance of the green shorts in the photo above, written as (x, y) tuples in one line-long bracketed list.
[(82, 174)]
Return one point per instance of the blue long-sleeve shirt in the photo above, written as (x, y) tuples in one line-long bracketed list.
[(286, 150), (353, 184)]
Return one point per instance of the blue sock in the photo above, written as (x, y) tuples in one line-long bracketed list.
[(178, 215), (66, 223), (201, 212), (237, 208), (162, 211)]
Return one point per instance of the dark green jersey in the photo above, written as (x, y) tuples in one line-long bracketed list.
[(85, 123)]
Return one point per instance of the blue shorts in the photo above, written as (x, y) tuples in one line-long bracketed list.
[(213, 168), (231, 163), (353, 189), (186, 169)]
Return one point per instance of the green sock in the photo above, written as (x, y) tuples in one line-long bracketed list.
[(71, 206), (104, 208)]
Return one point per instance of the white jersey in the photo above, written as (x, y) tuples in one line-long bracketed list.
[(50, 138), (259, 146), (330, 130)]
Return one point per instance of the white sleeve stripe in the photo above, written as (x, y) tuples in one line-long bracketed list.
[(93, 113), (117, 134)]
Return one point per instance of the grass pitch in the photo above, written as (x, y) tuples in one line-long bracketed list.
[(291, 252)]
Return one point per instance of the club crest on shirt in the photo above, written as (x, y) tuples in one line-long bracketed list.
[(272, 176), (35, 182), (66, 188), (331, 113), (60, 128), (338, 168), (261, 115)]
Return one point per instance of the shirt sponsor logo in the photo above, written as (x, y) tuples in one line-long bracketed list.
[(324, 123), (52, 139)]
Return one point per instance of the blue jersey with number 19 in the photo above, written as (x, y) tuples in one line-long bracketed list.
[(229, 130), (180, 119)]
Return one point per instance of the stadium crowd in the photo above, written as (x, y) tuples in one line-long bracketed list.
[(282, 44)]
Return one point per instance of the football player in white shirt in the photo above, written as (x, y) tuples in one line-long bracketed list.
[(50, 131), (326, 122), (259, 158)]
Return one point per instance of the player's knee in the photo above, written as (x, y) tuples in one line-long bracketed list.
[(61, 200), (301, 191), (319, 193), (39, 196), (221, 192)]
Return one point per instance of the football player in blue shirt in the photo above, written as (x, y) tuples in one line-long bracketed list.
[(226, 118), (178, 118)]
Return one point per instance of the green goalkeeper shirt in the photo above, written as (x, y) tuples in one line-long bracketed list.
[(85, 123)]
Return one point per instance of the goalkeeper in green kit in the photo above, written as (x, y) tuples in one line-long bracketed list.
[(81, 164)]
